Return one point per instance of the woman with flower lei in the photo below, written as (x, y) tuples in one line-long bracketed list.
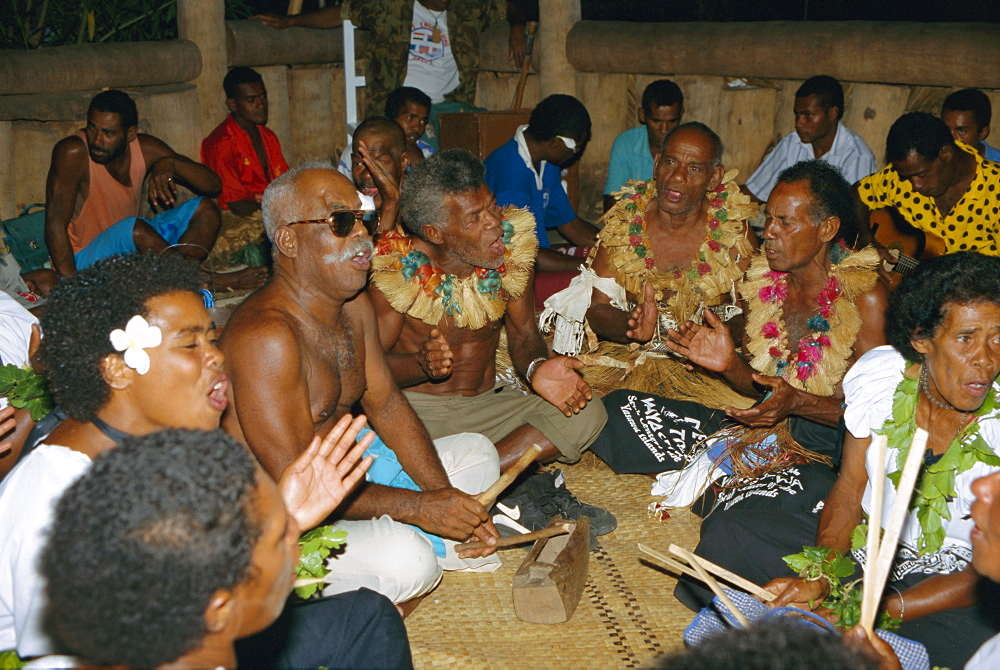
[(939, 374), (130, 350)]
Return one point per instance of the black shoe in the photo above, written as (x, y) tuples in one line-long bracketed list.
[(518, 511), (602, 521), (542, 495)]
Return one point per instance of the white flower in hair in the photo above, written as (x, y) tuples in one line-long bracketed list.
[(137, 336)]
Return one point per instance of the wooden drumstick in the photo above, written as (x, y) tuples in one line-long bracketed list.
[(489, 496), (551, 531)]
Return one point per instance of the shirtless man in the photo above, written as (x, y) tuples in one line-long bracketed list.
[(669, 247), (444, 352), (304, 350), (94, 189), (680, 224)]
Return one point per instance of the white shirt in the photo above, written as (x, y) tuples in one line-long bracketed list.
[(868, 390), (849, 152), (431, 65), (15, 334), (27, 499), (988, 656)]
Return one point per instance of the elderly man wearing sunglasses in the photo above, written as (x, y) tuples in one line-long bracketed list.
[(304, 350)]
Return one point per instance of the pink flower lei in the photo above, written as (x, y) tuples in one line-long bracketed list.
[(812, 347)]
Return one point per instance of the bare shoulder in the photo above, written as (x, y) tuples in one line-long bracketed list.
[(875, 299), (261, 331), (360, 314), (70, 154), (153, 148)]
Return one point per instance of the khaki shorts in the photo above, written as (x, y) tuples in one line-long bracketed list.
[(499, 411)]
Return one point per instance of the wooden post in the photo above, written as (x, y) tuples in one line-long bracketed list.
[(203, 22), (310, 99), (558, 17)]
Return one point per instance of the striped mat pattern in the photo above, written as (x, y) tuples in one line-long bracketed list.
[(626, 617)]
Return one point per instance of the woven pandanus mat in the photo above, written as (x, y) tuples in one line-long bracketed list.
[(627, 615)]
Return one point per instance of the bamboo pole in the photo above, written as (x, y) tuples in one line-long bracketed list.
[(872, 593), (878, 448)]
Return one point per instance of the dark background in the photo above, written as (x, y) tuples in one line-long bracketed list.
[(760, 10)]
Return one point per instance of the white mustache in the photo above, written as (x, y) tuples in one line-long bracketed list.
[(350, 251)]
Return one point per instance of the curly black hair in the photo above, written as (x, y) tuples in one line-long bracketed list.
[(770, 644), (832, 194), (559, 114), (86, 307), (142, 540), (918, 305), (921, 132)]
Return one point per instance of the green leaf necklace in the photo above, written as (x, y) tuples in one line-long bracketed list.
[(936, 485)]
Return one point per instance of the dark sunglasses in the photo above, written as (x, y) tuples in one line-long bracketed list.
[(342, 221)]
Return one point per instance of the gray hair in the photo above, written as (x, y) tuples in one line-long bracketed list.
[(422, 197), (713, 138), (281, 196)]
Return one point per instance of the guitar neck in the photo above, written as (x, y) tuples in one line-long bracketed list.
[(904, 264)]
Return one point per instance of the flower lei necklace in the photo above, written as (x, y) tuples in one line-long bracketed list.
[(417, 267), (639, 240), (821, 356), (811, 348), (413, 285), (711, 273), (936, 485)]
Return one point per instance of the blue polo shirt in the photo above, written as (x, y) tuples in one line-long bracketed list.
[(514, 182), (630, 159)]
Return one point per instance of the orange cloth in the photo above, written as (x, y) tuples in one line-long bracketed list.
[(228, 150), (108, 200)]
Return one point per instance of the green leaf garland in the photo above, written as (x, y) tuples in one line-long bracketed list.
[(25, 389), (936, 484), (316, 546)]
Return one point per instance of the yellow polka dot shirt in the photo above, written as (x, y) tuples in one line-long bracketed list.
[(972, 224)]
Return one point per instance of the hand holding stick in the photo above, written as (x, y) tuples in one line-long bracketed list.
[(551, 531)]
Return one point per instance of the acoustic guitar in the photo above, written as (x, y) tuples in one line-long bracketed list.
[(907, 244)]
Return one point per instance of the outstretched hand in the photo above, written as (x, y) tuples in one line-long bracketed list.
[(709, 345), (325, 473), (559, 381), (779, 403), (435, 356), (642, 320)]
